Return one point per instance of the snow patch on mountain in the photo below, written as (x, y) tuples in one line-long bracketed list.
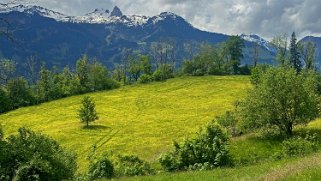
[(5, 8), (98, 16), (260, 41)]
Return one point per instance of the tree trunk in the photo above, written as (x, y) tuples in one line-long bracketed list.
[(289, 130)]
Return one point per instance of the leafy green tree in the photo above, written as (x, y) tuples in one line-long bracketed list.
[(281, 44), (32, 156), (82, 71), (134, 69), (235, 46), (117, 73), (5, 102), (307, 51), (87, 112), (19, 92), (295, 54), (281, 98), (98, 76), (65, 82), (7, 69), (146, 64), (44, 84)]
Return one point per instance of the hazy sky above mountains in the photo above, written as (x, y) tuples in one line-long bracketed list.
[(263, 17)]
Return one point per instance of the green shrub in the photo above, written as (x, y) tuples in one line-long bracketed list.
[(299, 146), (4, 101), (209, 147), (132, 166), (229, 121), (32, 156), (145, 78), (102, 168), (163, 72), (256, 73)]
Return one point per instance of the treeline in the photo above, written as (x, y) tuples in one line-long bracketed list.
[(18, 91), (221, 59), (90, 75)]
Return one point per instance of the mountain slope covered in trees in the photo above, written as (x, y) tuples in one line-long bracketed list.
[(59, 40)]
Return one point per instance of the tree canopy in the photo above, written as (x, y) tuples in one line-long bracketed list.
[(281, 98)]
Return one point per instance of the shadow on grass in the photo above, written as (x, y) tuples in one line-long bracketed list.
[(96, 127)]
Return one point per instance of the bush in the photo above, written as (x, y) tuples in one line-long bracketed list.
[(4, 101), (256, 73), (163, 72), (145, 78), (32, 156), (132, 166), (229, 121), (102, 168), (209, 147), (110, 84), (299, 146)]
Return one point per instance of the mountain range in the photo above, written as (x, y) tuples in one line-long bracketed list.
[(59, 40)]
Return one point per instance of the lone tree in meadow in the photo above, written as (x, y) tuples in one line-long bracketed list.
[(87, 112), (281, 98)]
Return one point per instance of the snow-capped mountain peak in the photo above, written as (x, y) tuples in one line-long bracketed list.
[(260, 41), (5, 8), (98, 16)]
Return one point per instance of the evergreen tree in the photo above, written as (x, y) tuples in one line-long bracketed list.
[(294, 54), (235, 46), (87, 112)]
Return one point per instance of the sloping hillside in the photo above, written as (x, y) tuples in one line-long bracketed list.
[(138, 119)]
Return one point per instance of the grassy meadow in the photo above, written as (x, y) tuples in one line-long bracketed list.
[(139, 119)]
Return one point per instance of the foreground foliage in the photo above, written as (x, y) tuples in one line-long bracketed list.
[(281, 97), (208, 150), (32, 156)]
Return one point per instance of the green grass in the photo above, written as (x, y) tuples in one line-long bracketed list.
[(307, 168), (138, 119)]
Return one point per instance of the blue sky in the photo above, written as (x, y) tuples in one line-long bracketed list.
[(266, 18)]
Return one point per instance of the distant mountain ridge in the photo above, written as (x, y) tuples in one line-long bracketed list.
[(98, 16), (60, 39)]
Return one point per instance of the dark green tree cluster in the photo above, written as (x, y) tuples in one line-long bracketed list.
[(224, 59), (32, 156), (140, 69), (16, 91)]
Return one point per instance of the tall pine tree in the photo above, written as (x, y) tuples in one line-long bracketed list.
[(294, 54)]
